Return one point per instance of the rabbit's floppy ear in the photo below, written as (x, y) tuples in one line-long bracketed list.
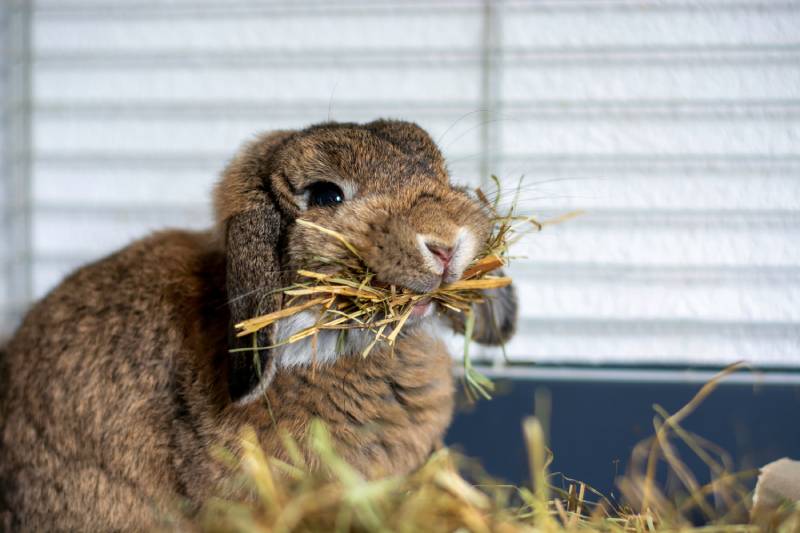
[(252, 225)]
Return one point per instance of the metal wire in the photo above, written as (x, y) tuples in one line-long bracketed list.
[(17, 160)]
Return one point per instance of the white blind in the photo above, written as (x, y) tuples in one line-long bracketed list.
[(674, 124)]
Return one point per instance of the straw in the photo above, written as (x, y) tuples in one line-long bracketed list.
[(290, 497)]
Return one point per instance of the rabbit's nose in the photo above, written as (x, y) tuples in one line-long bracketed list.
[(443, 253), (447, 259)]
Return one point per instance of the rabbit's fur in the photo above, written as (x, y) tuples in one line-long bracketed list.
[(119, 384)]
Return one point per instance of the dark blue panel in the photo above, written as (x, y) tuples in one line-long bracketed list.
[(595, 425)]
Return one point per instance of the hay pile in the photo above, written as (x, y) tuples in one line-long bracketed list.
[(287, 498)]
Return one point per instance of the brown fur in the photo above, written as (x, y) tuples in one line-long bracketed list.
[(119, 384)]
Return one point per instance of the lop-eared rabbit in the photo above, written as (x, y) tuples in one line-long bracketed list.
[(121, 382)]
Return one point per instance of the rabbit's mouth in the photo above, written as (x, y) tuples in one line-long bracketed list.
[(422, 309)]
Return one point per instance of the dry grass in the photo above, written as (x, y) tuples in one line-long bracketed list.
[(286, 497)]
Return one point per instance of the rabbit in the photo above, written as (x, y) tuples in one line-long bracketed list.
[(121, 383)]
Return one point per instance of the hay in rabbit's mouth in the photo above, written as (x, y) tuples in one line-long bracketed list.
[(353, 299)]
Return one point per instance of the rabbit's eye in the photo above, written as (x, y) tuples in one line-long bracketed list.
[(324, 193)]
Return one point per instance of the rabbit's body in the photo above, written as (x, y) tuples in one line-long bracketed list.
[(131, 431), (120, 383), (97, 370)]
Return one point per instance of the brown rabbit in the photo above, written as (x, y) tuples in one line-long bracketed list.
[(120, 382)]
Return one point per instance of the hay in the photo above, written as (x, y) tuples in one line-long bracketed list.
[(286, 497), (352, 299)]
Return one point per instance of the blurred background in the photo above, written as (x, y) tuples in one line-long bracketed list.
[(674, 124)]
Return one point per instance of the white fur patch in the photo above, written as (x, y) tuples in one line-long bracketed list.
[(303, 353), (349, 188), (258, 391), (464, 250), (432, 263)]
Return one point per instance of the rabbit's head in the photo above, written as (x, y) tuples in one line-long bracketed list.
[(385, 187)]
